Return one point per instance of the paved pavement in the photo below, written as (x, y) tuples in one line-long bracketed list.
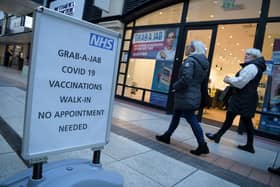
[(135, 154)]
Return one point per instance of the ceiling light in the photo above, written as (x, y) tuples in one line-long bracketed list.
[(160, 13), (230, 36), (223, 27), (230, 54), (215, 2), (225, 49), (211, 16), (269, 36), (237, 44)]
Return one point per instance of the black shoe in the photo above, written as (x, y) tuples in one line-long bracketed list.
[(202, 149), (163, 138), (275, 171), (247, 148), (213, 137)]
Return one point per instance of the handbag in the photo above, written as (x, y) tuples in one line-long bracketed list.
[(225, 94)]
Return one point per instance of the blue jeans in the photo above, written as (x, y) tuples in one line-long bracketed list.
[(191, 119)]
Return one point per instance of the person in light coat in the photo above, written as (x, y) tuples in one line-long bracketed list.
[(244, 97)]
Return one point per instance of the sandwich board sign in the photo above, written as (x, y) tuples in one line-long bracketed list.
[(71, 85)]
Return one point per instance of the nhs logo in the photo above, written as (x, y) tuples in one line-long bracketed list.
[(101, 41)]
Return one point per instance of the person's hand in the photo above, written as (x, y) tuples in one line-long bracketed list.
[(162, 55), (226, 79)]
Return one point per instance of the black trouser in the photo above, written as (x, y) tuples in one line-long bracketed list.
[(247, 124), (191, 119)]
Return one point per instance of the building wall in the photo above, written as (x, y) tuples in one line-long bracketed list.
[(116, 8), (132, 4)]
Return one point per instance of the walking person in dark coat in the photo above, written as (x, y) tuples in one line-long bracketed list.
[(187, 90), (244, 97)]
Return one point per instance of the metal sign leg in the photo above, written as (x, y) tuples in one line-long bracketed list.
[(96, 157), (37, 171)]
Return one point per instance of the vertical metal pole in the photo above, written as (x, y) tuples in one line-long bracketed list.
[(96, 157), (37, 171)]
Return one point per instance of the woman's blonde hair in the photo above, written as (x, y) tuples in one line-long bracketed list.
[(199, 47)]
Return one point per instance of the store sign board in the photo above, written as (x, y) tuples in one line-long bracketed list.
[(71, 85), (69, 7)]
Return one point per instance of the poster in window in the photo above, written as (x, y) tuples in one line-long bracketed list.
[(271, 122), (159, 45)]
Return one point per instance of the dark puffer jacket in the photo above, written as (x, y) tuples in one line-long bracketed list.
[(188, 86), (244, 101)]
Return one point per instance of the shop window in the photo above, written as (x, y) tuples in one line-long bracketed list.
[(270, 83), (126, 45), (274, 8), (147, 96), (122, 67), (128, 34), (202, 35), (119, 90), (272, 32), (133, 93), (200, 10), (130, 24), (171, 14), (121, 79), (124, 56), (140, 73)]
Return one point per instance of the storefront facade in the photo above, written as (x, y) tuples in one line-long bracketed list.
[(154, 43)]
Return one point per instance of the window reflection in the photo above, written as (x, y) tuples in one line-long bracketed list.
[(171, 14), (201, 10), (272, 32)]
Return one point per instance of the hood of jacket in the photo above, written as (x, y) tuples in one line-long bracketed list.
[(202, 60)]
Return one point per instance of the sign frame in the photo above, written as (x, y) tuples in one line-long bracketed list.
[(29, 94)]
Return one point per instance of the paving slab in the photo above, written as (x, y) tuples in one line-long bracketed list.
[(120, 148), (261, 159), (81, 154), (17, 123), (203, 179), (131, 177), (11, 108), (159, 126), (127, 114), (13, 92), (10, 164), (4, 146), (161, 168)]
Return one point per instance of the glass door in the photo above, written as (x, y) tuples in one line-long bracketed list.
[(207, 36), (204, 35), (231, 43)]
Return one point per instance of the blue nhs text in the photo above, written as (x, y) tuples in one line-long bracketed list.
[(101, 41)]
